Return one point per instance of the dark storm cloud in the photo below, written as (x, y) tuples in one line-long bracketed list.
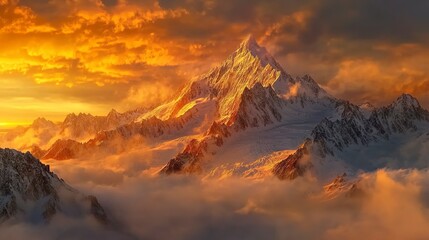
[(363, 23), (237, 10), (110, 3), (194, 5), (396, 20), (39, 6)]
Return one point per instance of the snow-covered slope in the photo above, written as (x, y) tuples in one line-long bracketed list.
[(29, 191), (358, 143)]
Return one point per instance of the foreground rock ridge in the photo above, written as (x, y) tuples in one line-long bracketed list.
[(31, 192)]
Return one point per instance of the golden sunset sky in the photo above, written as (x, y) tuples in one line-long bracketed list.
[(62, 56)]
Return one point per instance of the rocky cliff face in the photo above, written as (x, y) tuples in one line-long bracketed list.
[(30, 191), (259, 106)]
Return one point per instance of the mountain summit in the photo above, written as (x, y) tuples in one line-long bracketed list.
[(251, 45), (225, 84)]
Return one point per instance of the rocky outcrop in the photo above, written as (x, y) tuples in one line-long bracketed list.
[(341, 186), (64, 149), (28, 187), (295, 164), (189, 160), (259, 106)]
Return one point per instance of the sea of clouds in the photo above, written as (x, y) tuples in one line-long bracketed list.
[(394, 204)]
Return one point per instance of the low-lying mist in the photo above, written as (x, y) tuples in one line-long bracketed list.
[(394, 204)]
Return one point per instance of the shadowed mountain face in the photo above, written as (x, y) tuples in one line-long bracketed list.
[(29, 191), (245, 117)]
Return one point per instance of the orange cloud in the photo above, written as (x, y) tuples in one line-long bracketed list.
[(380, 81), (88, 44), (68, 49)]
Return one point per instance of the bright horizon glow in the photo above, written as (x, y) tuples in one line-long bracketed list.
[(10, 125)]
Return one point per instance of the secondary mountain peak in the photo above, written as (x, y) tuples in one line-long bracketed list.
[(42, 122), (406, 106), (407, 100)]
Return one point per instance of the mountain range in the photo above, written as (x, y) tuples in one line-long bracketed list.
[(247, 117)]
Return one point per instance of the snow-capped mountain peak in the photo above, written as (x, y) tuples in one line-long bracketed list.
[(367, 106), (113, 112), (404, 102), (249, 42), (42, 123), (224, 84), (250, 45)]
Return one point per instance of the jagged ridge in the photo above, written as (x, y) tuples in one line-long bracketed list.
[(354, 128), (29, 189)]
